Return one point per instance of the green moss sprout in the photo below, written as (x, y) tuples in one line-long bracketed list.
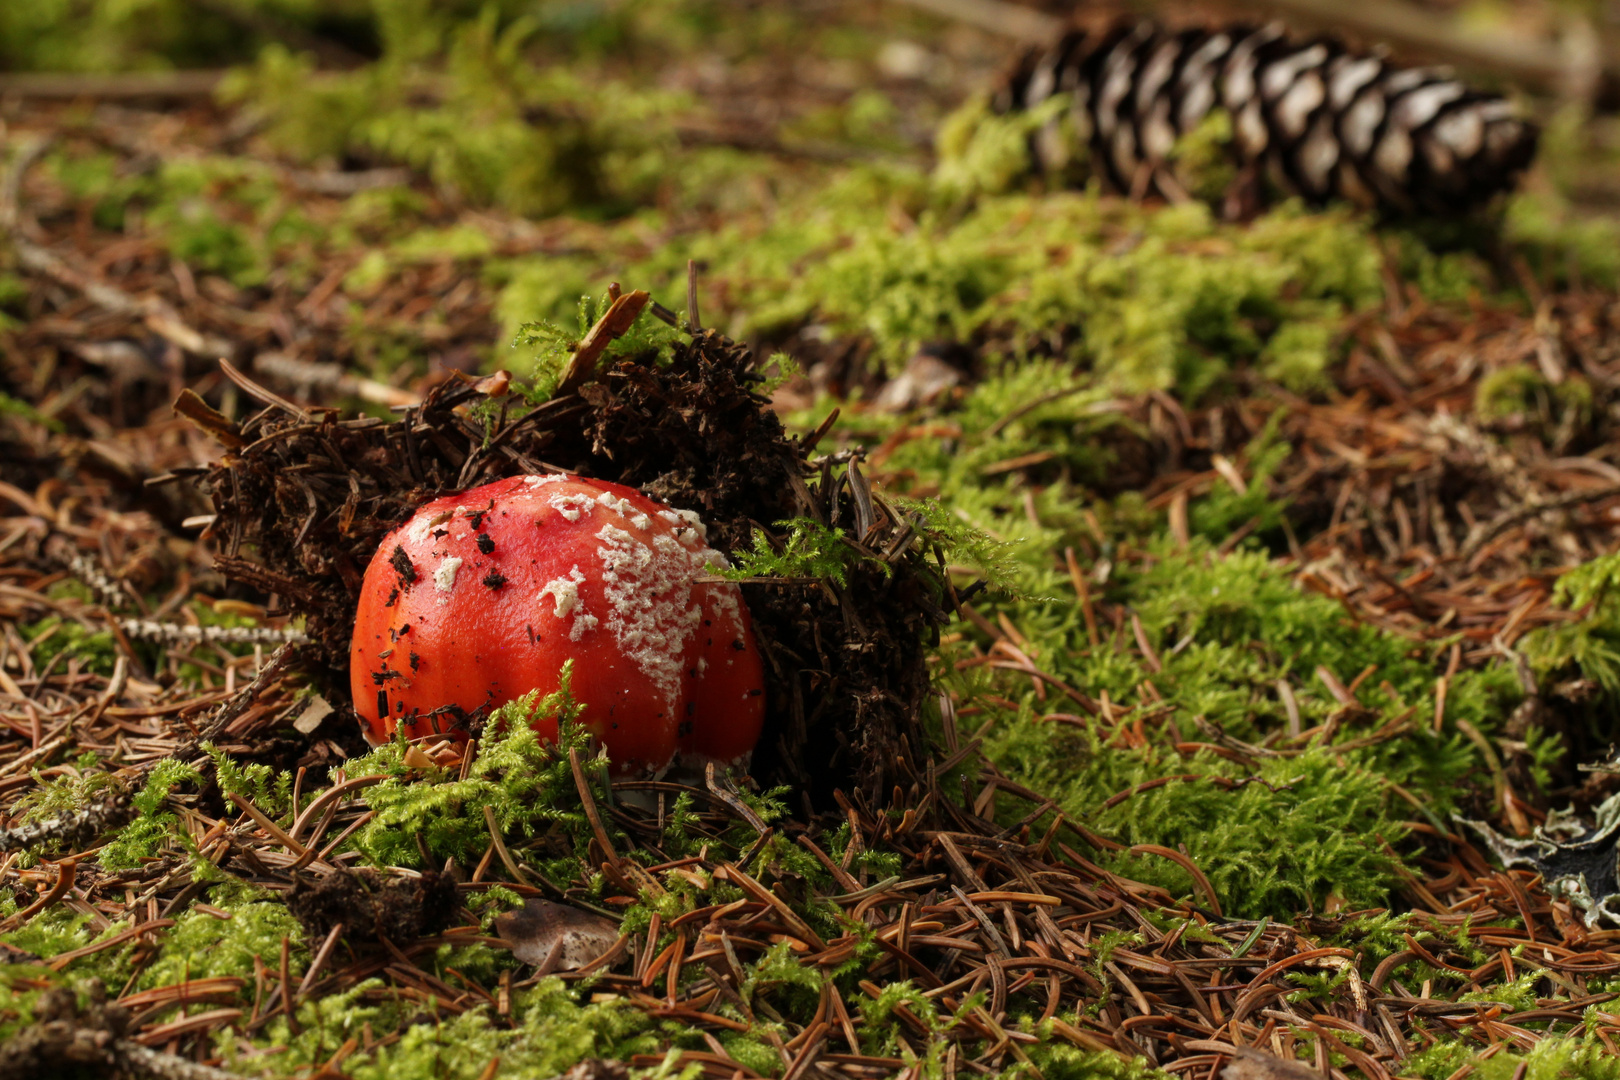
[(526, 782), (551, 345), (144, 836)]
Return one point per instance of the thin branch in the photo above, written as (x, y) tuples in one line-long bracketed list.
[(71, 85), (1484, 534), (998, 17)]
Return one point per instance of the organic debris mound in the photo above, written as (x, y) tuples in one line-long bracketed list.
[(303, 498), (370, 906)]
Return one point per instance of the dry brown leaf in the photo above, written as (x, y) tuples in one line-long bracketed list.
[(540, 926), (1250, 1064), (417, 758)]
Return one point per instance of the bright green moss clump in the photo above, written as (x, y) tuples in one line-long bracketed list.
[(1149, 299), (527, 783), (550, 1032), (1588, 647), (152, 825), (1224, 631), (202, 945), (1553, 1058)]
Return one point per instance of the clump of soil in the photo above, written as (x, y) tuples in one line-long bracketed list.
[(310, 496), (371, 906)]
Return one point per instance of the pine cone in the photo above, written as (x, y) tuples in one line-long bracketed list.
[(1319, 120)]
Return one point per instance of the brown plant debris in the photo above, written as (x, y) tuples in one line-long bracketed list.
[(370, 906), (313, 495), (556, 937)]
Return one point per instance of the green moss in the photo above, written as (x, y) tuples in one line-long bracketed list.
[(223, 217), (1225, 509), (552, 345), (1553, 1058), (309, 117), (58, 35), (1563, 241), (1059, 1061), (269, 789), (1590, 645), (1226, 630), (1147, 298), (95, 178), (487, 125), (94, 650), (202, 946), (1523, 396), (1446, 262), (526, 782), (142, 837), (1203, 159), (982, 153), (1068, 298), (20, 987), (550, 1033), (10, 406), (809, 550), (535, 292)]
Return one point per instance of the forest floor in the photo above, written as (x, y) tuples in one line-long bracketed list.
[(1299, 534)]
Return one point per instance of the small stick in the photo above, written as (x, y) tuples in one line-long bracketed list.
[(614, 322), (590, 810), (286, 984), (320, 961), (66, 871), (724, 793), (500, 847), (273, 830), (693, 323)]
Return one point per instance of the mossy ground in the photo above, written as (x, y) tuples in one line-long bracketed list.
[(1157, 668)]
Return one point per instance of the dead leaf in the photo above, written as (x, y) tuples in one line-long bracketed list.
[(446, 753), (540, 926), (495, 385), (1250, 1064), (925, 379), (209, 419), (613, 323), (317, 710), (417, 758)]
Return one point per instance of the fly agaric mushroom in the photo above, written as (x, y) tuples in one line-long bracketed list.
[(481, 597)]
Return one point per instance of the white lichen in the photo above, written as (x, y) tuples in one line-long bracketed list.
[(444, 578), (694, 522), (655, 607), (564, 592), (621, 506), (572, 506)]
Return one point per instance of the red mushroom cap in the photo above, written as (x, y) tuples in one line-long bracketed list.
[(482, 596)]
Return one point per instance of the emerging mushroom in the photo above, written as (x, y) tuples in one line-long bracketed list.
[(481, 597)]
